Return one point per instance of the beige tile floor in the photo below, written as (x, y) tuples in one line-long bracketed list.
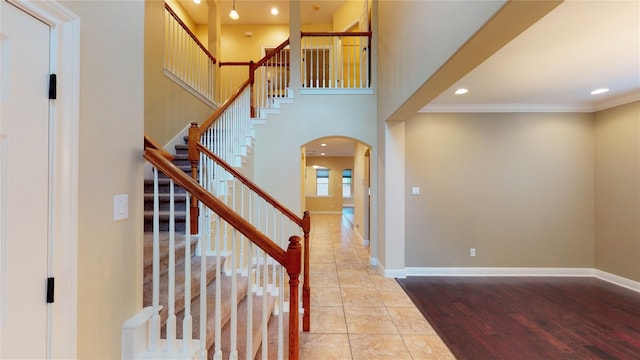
[(356, 313)]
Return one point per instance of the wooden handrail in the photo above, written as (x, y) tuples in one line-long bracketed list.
[(271, 54), (191, 34), (251, 185), (234, 63), (150, 143), (219, 111), (227, 214), (331, 34)]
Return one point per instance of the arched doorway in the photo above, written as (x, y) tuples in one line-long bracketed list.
[(336, 179)]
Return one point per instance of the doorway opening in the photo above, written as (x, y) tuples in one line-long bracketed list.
[(337, 181)]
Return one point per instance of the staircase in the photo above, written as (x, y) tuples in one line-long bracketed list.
[(249, 302), (214, 282)]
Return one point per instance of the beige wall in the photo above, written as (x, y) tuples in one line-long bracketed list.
[(617, 190), (110, 162), (361, 182), (334, 202), (347, 15), (168, 108), (516, 187)]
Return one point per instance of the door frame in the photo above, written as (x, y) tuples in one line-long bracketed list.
[(64, 139)]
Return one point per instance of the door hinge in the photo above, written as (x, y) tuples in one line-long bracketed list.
[(50, 286), (52, 87)]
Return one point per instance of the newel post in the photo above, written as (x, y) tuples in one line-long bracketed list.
[(194, 158), (306, 286), (294, 263)]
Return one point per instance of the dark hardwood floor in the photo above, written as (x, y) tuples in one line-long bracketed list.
[(530, 318)]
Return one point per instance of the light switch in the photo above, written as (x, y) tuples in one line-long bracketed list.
[(120, 207), (415, 190)]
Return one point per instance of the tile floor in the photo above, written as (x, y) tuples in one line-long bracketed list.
[(356, 313)]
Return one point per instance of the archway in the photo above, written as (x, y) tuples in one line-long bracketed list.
[(336, 179)]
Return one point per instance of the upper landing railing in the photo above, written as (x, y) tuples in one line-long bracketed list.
[(186, 60), (335, 62)]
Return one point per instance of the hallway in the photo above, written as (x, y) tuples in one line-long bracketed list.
[(355, 312)]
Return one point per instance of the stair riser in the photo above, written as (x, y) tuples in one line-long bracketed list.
[(179, 204)]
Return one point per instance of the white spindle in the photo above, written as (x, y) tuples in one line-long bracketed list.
[(250, 285), (218, 300), (187, 322), (203, 285), (265, 312), (234, 300), (155, 302), (171, 298)]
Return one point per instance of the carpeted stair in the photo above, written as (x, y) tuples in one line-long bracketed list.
[(181, 161)]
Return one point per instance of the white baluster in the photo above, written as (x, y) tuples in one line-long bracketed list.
[(250, 286), (217, 355), (234, 300), (171, 299), (187, 322), (155, 302), (265, 313), (203, 283)]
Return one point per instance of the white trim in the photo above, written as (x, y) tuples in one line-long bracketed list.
[(373, 262), (500, 108), (325, 212), (335, 91), (497, 271), (189, 89), (617, 280), (392, 273), (635, 96), (170, 147), (65, 62), (516, 271)]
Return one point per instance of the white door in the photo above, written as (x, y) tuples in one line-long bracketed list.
[(24, 184)]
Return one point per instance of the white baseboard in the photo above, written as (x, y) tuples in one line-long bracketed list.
[(497, 271), (617, 280), (515, 271), (373, 261)]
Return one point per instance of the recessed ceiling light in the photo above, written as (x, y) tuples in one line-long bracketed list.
[(196, 1), (323, 144), (274, 11), (461, 91), (599, 91)]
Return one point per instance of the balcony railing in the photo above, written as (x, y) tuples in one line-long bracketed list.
[(186, 60), (330, 61)]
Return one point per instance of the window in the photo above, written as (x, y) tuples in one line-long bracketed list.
[(346, 183), (322, 182)]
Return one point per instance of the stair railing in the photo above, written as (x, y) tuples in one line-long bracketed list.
[(264, 262), (186, 60), (336, 60)]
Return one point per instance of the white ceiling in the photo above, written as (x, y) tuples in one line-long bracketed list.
[(554, 65), (580, 46), (259, 11)]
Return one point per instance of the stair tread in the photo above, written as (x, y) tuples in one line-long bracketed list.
[(272, 349), (164, 250), (179, 285), (225, 309), (257, 306)]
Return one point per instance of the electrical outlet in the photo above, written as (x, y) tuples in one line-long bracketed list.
[(472, 252)]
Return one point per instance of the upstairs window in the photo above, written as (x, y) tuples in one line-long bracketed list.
[(322, 182), (346, 183)]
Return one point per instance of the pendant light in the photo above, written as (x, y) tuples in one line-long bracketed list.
[(234, 14)]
